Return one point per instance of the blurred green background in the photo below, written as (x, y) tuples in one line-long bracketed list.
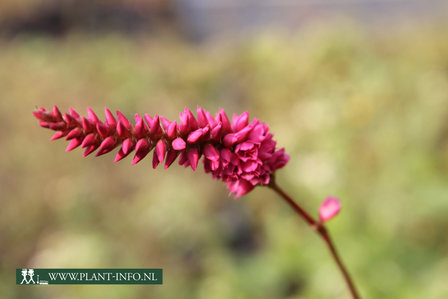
[(364, 116)]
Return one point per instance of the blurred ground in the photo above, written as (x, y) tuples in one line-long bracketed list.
[(364, 117)]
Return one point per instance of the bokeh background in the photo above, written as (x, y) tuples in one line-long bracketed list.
[(356, 91)]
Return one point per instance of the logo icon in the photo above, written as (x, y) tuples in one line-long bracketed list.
[(30, 273), (45, 276)]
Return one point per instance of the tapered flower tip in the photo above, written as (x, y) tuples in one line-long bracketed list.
[(110, 119), (92, 116), (202, 119), (329, 208), (106, 146), (123, 120), (239, 188), (160, 150), (57, 135), (193, 157), (73, 113), (141, 150), (39, 113), (56, 113), (240, 121)]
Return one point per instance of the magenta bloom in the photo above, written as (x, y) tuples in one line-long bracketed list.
[(329, 208), (242, 155)]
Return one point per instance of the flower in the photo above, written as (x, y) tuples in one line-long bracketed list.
[(240, 153), (329, 208)]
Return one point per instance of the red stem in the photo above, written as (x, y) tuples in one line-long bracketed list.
[(319, 228)]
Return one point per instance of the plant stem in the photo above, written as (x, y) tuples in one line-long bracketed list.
[(319, 228)]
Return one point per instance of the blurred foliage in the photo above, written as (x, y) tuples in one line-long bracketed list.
[(364, 118), (59, 18)]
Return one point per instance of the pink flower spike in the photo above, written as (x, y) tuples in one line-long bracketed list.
[(242, 155), (329, 208), (178, 144)]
